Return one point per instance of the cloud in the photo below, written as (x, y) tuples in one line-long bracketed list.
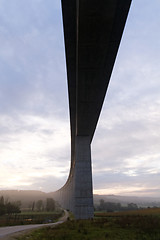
[(126, 141), (32, 59), (34, 130), (32, 142), (45, 183), (127, 183), (34, 115)]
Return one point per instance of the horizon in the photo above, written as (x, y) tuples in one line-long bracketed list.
[(34, 111), (107, 195), (98, 194)]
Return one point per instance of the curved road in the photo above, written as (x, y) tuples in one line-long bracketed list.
[(7, 232)]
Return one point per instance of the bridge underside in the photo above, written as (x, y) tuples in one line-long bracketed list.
[(92, 33)]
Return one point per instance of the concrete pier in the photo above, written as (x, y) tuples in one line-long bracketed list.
[(83, 196)]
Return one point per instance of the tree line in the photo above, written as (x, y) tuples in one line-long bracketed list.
[(113, 207), (7, 207), (49, 205)]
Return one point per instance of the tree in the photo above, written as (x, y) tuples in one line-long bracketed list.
[(2, 200), (132, 206), (9, 208), (2, 209), (102, 204), (12, 208), (33, 205), (2, 206), (50, 205), (39, 205), (18, 203)]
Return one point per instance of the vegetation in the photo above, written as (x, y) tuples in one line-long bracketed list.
[(112, 207), (139, 212), (30, 218), (28, 198), (113, 221), (49, 205), (126, 227), (40, 212), (7, 207)]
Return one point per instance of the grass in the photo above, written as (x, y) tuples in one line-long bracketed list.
[(142, 212), (133, 226), (29, 218)]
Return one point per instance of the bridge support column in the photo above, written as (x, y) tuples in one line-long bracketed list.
[(83, 195)]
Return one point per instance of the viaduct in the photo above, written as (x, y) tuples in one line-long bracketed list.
[(92, 33)]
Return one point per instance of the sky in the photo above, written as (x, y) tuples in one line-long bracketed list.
[(34, 111)]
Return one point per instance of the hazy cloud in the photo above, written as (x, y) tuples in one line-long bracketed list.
[(34, 115)]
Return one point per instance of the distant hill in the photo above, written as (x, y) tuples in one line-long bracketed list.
[(27, 197), (124, 200)]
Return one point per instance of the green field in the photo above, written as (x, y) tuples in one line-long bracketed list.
[(29, 218), (133, 225), (141, 212)]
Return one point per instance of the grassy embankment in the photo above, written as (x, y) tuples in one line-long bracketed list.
[(29, 218), (131, 225)]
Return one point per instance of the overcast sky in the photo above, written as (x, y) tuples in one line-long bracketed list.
[(34, 115)]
